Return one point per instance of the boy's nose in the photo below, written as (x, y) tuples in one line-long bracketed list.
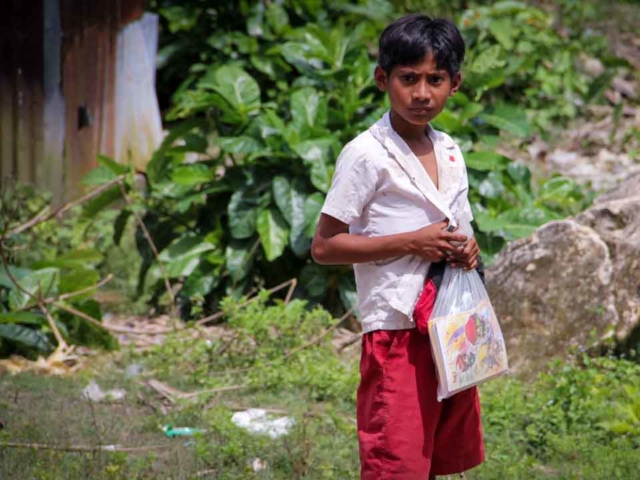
[(421, 93)]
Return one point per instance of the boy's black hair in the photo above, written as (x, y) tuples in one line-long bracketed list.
[(408, 39)]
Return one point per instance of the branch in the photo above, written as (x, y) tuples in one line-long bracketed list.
[(109, 328), (41, 217), (81, 448), (52, 323), (34, 221), (172, 394), (101, 283), (289, 283), (147, 236), (319, 337)]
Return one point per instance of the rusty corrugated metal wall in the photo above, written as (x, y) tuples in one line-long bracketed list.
[(57, 88), (21, 90), (88, 77)]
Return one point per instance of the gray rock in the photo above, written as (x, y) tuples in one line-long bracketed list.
[(572, 283)]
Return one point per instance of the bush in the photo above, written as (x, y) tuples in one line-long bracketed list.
[(51, 259), (269, 93), (271, 348)]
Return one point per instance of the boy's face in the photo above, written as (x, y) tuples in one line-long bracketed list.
[(418, 93)]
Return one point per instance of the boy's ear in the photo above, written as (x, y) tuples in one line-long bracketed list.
[(455, 84), (380, 77)]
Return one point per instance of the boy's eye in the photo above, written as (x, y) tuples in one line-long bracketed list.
[(436, 80), (408, 78)]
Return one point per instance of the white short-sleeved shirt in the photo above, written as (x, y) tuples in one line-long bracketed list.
[(381, 188)]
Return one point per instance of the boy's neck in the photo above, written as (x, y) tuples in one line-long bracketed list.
[(408, 131)]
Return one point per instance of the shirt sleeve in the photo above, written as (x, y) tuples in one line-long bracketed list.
[(353, 185)]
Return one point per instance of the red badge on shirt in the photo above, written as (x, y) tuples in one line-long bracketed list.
[(452, 158)]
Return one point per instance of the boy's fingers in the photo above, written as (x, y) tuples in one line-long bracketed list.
[(453, 237), (442, 225), (472, 263), (447, 247)]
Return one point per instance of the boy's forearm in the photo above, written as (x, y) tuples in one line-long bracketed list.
[(347, 249)]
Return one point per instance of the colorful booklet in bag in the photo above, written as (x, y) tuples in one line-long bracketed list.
[(466, 341)]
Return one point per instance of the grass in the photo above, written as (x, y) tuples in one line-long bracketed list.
[(580, 420)]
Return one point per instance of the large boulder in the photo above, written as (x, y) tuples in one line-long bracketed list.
[(574, 282)]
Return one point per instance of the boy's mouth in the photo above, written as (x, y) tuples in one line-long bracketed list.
[(421, 111)]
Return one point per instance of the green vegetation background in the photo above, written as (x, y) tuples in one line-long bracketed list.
[(258, 98)]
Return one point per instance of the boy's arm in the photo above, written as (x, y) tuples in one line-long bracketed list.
[(334, 245)]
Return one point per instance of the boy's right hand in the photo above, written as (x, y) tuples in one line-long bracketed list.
[(433, 243)]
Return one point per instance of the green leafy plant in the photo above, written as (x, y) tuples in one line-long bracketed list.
[(260, 109), (269, 347), (43, 264)]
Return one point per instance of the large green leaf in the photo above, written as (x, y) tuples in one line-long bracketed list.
[(241, 144), (301, 56), (516, 222), (80, 258), (38, 282), (78, 279), (308, 108), (312, 209), (98, 176), (201, 281), (24, 318), (449, 122), (509, 118), (120, 225), (313, 279), (242, 215), (180, 18), (273, 232), (111, 164), (183, 256), (282, 195), (236, 87), (277, 17), (487, 60), (493, 186), (191, 142), (315, 154), (16, 272), (27, 336), (102, 201), (504, 30), (194, 174), (239, 258), (107, 171), (486, 161), (290, 199)]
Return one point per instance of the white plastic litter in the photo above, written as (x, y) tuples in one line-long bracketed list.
[(94, 393), (133, 371), (258, 464), (256, 420)]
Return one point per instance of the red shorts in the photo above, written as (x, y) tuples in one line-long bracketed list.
[(403, 431)]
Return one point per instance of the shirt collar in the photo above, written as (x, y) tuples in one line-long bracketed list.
[(384, 133), (383, 129)]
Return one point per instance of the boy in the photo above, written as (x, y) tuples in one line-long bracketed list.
[(398, 195)]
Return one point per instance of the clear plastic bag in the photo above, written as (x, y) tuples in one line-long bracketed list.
[(466, 341)]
